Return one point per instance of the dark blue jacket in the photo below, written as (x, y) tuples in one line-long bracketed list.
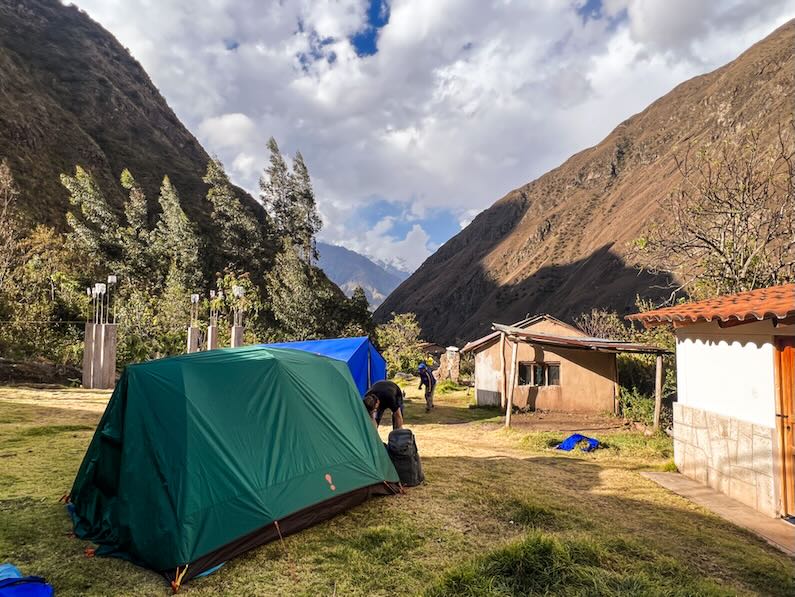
[(427, 379)]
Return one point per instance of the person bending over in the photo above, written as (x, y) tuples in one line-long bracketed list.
[(381, 396)]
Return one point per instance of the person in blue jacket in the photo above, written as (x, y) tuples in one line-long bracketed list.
[(429, 381)]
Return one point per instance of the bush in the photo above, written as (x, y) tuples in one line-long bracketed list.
[(637, 406), (399, 341)]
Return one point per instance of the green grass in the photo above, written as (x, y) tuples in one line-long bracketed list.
[(448, 386), (500, 514), (541, 564)]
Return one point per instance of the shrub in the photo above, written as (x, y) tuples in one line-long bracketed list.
[(637, 406), (399, 341)]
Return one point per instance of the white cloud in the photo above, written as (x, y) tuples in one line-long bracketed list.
[(228, 130), (464, 100), (381, 245)]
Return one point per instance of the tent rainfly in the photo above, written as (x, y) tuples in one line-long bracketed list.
[(201, 457), (366, 364)]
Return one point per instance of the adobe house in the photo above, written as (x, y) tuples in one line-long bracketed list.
[(552, 365), (733, 419)]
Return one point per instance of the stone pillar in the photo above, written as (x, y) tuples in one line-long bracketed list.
[(212, 337), (453, 363), (449, 365), (88, 355), (96, 358), (105, 376), (193, 339), (237, 336)]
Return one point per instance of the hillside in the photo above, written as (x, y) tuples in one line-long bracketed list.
[(71, 94), (348, 269), (558, 244)]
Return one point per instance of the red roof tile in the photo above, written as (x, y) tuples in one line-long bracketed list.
[(776, 302)]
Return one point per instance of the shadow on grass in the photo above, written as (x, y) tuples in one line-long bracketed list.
[(583, 536), (446, 414)]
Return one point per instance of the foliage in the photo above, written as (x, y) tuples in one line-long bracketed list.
[(94, 228), (160, 262), (175, 240), (138, 260), (466, 367), (600, 323), (399, 341), (306, 305), (634, 405), (40, 296), (240, 236), (732, 220), (304, 220), (635, 371), (290, 201), (9, 221)]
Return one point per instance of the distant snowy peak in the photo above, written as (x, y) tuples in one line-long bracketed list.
[(349, 269)]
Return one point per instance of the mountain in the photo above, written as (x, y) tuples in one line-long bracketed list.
[(558, 244), (348, 269), (71, 94)]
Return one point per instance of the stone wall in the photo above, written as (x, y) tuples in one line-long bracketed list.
[(734, 457), (449, 366)]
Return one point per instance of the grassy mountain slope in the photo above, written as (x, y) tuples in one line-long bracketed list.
[(557, 244), (71, 94)]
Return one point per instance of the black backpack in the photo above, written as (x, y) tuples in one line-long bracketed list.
[(403, 452)]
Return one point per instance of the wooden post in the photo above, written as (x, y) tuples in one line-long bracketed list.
[(658, 383), (616, 386), (509, 405), (504, 386)]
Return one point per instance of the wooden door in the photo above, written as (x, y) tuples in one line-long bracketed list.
[(785, 420)]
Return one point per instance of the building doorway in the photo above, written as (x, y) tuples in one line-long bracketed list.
[(785, 420)]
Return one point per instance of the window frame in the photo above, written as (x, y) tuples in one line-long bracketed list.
[(532, 366)]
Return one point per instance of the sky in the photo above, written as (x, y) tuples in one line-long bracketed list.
[(415, 115)]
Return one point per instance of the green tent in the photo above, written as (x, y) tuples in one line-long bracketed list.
[(201, 457)]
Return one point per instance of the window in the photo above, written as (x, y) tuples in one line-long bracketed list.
[(553, 374), (525, 374), (539, 374)]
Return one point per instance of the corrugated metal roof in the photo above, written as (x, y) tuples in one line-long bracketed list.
[(576, 342), (488, 338), (776, 302)]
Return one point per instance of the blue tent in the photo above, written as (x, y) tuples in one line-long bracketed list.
[(366, 364)]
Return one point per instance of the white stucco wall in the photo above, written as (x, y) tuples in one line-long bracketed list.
[(729, 371), (487, 370)]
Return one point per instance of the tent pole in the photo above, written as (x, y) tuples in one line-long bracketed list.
[(509, 406)]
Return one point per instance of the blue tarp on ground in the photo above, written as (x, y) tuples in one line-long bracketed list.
[(365, 362)]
